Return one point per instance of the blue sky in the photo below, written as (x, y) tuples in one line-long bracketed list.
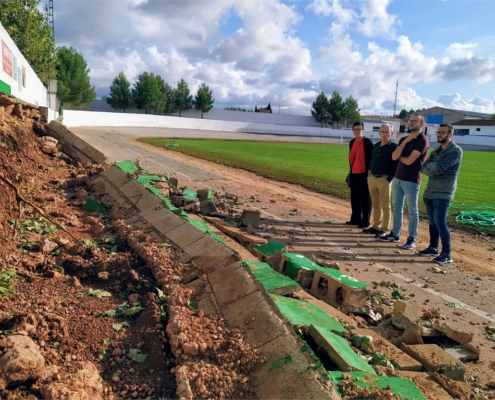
[(286, 52)]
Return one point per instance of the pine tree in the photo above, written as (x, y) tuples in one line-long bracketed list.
[(335, 109), (183, 100), (350, 111), (73, 86), (120, 93), (320, 109), (203, 100), (148, 92)]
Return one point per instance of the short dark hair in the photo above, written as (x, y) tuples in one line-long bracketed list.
[(422, 119), (448, 126), (358, 123)]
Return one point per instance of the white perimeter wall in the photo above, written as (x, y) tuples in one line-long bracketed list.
[(24, 86)]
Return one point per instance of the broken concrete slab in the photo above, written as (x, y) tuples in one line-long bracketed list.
[(465, 353), (338, 289), (230, 283), (299, 268), (208, 207), (271, 280), (409, 308), (407, 331), (458, 390), (461, 337), (245, 239), (303, 313), (428, 387), (148, 200), (339, 350), (402, 388), (406, 362), (287, 373), (434, 359)]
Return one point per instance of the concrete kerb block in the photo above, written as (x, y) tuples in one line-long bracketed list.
[(76, 154), (434, 359), (208, 254), (339, 290), (288, 374), (163, 220), (134, 191), (118, 197), (251, 216), (184, 235), (148, 200), (100, 158), (230, 283), (85, 148), (406, 362), (61, 133), (270, 253), (115, 175), (255, 315), (206, 300)]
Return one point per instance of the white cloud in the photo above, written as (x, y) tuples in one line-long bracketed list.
[(377, 21), (334, 9)]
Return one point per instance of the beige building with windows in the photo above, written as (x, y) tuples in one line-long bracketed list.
[(440, 115)]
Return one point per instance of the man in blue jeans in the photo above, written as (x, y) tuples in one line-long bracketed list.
[(411, 154), (442, 168)]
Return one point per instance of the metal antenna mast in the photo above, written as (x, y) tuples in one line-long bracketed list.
[(396, 89), (51, 20)]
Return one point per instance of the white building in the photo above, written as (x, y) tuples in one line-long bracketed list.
[(475, 127)]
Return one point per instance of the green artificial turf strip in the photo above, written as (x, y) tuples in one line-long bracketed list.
[(323, 168)]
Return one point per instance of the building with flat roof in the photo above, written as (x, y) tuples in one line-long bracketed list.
[(440, 115)]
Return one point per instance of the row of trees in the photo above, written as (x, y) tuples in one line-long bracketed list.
[(29, 29), (153, 94), (335, 111)]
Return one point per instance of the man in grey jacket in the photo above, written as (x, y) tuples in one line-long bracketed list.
[(442, 168)]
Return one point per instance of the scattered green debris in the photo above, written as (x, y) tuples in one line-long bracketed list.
[(279, 363), (192, 304), (119, 326), (427, 323), (107, 341), (96, 293), (93, 205), (396, 294), (165, 245), (5, 278), (122, 310), (39, 225), (436, 270), (379, 358), (358, 340), (136, 355), (89, 242), (490, 332), (30, 246), (56, 344), (161, 298), (454, 305)]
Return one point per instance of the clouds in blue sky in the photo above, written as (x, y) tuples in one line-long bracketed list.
[(286, 52)]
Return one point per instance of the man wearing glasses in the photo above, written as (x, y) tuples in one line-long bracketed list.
[(411, 154), (442, 168)]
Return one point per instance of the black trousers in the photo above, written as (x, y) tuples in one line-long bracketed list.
[(360, 199)]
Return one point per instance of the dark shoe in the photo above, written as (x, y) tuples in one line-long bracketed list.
[(389, 237), (351, 223), (443, 258), (379, 233), (429, 251), (410, 244), (370, 230)]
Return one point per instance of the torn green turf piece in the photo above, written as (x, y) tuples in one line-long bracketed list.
[(93, 205), (127, 166), (271, 280), (270, 248)]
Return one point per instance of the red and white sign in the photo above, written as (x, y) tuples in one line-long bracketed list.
[(6, 59)]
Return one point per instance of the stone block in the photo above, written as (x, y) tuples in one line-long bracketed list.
[(184, 235), (338, 289), (430, 389), (133, 190), (465, 353), (208, 207), (434, 359), (230, 283), (461, 337), (339, 351), (61, 133), (410, 309), (84, 147), (116, 176), (299, 268), (208, 254), (458, 390), (251, 216), (409, 331), (43, 111), (289, 374), (255, 315), (163, 220), (406, 362), (100, 158)]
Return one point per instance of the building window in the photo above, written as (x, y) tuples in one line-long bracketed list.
[(461, 131), (478, 129)]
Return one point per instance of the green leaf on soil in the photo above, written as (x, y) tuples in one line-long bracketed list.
[(107, 341), (56, 344), (115, 313), (192, 304), (397, 294), (133, 311), (381, 359), (136, 355), (163, 313), (30, 246), (56, 252), (358, 340), (436, 270), (165, 245), (490, 332), (89, 242), (118, 327), (454, 305), (96, 293), (161, 298), (6, 277)]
